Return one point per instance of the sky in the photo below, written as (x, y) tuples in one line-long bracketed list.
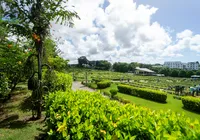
[(152, 31)]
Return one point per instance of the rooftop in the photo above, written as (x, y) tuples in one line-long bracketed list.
[(144, 69)]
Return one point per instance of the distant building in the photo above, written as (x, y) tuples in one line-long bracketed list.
[(180, 65), (192, 65), (174, 64)]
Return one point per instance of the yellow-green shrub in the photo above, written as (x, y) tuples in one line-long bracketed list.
[(86, 115)]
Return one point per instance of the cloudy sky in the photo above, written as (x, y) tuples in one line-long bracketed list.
[(143, 31)]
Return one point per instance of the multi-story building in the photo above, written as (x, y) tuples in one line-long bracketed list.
[(174, 64), (192, 65), (180, 65)]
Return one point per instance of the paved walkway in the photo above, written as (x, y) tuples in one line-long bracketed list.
[(78, 86)]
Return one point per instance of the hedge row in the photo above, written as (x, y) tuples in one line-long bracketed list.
[(191, 103), (86, 115), (103, 84), (149, 94)]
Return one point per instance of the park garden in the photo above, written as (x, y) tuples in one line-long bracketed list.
[(37, 100)]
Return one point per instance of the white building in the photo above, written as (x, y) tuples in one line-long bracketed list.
[(174, 64), (180, 65), (192, 65)]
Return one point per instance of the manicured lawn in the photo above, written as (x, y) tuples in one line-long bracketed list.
[(15, 117), (172, 104)]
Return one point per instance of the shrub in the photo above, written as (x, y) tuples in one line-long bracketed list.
[(191, 103), (92, 85), (107, 93), (57, 81), (4, 87), (113, 92), (103, 84), (149, 94), (87, 115)]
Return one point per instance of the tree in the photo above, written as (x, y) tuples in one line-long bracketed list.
[(174, 73), (189, 73), (120, 67), (12, 57), (102, 65), (165, 71), (83, 60), (182, 73), (31, 19), (132, 66)]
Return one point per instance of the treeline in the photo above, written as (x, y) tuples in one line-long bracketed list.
[(130, 67), (105, 65), (175, 72), (98, 64)]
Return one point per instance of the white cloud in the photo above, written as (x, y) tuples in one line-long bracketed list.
[(186, 33), (122, 31)]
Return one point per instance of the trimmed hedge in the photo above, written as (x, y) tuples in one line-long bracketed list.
[(113, 92), (191, 103), (86, 115), (56, 81), (103, 84), (149, 94)]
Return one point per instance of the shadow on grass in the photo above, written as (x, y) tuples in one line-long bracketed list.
[(190, 110), (26, 105), (43, 134), (12, 122)]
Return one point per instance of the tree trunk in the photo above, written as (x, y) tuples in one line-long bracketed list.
[(39, 103)]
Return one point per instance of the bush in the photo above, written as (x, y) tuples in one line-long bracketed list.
[(149, 94), (56, 81), (103, 84), (113, 92), (92, 85), (107, 93), (191, 103), (87, 115), (4, 87)]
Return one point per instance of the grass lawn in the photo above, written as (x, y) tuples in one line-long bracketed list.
[(172, 104), (15, 115)]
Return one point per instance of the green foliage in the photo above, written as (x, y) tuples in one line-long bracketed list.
[(87, 115), (92, 85), (121, 67), (103, 84), (174, 73), (191, 103), (58, 63), (113, 92), (149, 94), (4, 88), (107, 93), (56, 81), (12, 60)]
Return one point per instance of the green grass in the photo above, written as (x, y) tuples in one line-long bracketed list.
[(172, 104), (15, 115)]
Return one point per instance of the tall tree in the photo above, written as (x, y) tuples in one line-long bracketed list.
[(31, 19)]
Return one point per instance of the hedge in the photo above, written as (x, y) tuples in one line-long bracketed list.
[(86, 115), (103, 84), (56, 81), (191, 103), (149, 94)]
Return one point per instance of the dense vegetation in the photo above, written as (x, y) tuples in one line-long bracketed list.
[(82, 114)]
